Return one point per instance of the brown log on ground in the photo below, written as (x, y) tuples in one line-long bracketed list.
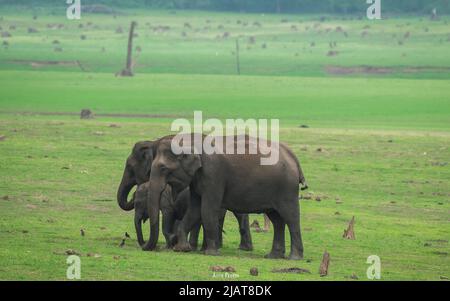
[(323, 270), (349, 233), (128, 71)]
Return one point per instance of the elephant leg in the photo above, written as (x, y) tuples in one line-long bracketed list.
[(278, 246), (210, 209), (190, 219), (173, 235), (193, 236), (244, 229), (291, 215), (168, 225)]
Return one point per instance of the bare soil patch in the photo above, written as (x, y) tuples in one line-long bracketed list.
[(120, 115), (39, 64), (293, 270), (341, 70)]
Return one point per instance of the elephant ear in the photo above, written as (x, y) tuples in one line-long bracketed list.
[(144, 151), (190, 163)]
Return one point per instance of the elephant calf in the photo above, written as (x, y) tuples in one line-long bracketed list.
[(173, 211)]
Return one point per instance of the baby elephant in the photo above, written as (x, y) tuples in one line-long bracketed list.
[(173, 211)]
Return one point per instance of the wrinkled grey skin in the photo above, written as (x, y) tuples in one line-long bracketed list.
[(173, 212), (228, 181), (173, 204)]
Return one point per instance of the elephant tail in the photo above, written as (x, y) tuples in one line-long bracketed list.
[(301, 178)]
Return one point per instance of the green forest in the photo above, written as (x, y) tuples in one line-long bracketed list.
[(261, 6)]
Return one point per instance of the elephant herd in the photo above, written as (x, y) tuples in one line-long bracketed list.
[(194, 190)]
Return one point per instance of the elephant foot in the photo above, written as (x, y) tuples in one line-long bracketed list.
[(246, 247), (275, 255), (182, 247), (296, 255), (212, 252)]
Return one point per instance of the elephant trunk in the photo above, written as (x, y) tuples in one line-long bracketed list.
[(138, 225), (122, 193), (157, 185)]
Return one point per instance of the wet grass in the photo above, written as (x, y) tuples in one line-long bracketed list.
[(60, 175)]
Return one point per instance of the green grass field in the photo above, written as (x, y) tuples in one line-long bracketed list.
[(379, 111)]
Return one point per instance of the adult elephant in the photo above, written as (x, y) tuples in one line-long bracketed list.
[(137, 172), (237, 182)]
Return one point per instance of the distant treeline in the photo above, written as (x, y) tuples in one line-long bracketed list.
[(262, 6)]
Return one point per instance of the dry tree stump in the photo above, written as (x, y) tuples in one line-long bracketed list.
[(128, 71), (323, 270), (350, 233)]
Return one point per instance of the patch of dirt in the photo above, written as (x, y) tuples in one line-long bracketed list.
[(72, 252), (338, 70), (293, 270), (102, 200), (96, 208), (439, 240), (341, 70), (218, 268), (40, 64), (118, 115), (98, 9)]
